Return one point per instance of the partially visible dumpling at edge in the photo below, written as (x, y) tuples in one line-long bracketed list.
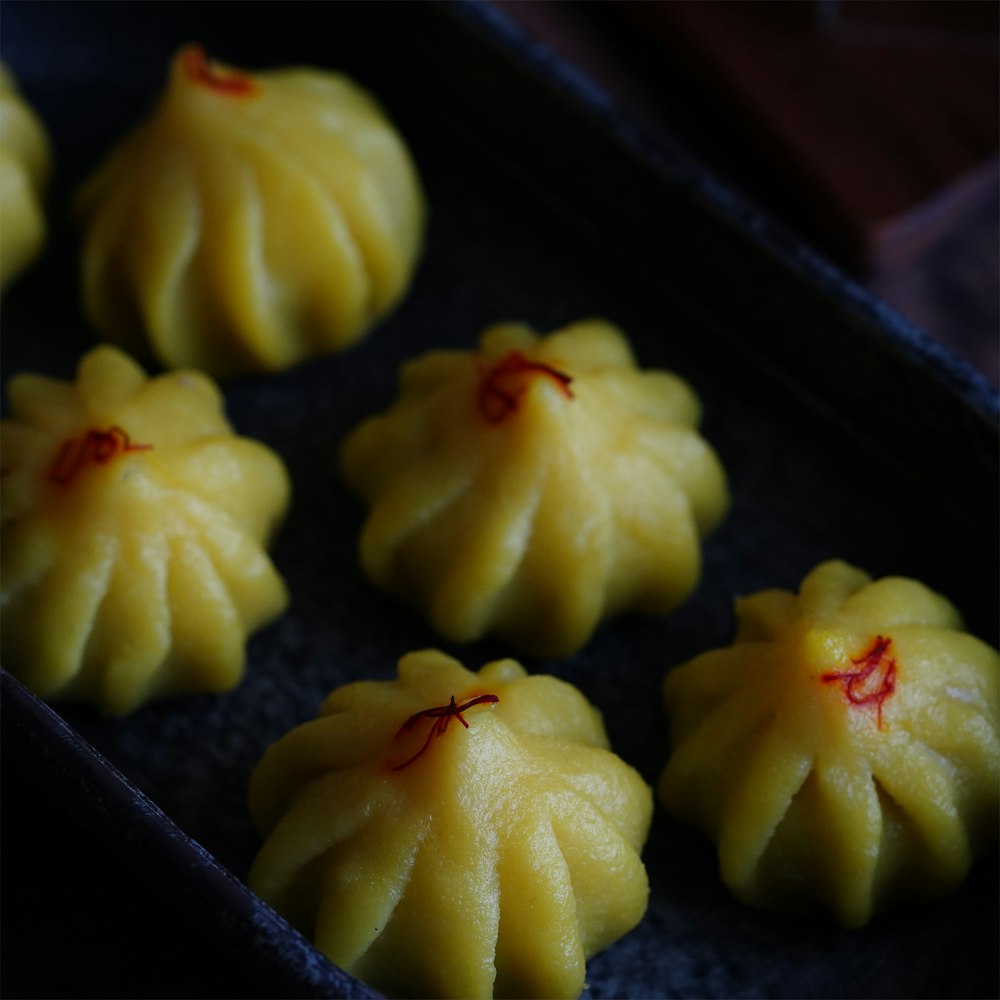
[(134, 525), (251, 221), (25, 163), (533, 487), (454, 834), (843, 752)]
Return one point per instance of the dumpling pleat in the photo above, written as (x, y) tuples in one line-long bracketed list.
[(889, 602), (108, 254), (405, 510), (44, 402), (453, 898), (612, 793), (764, 616), (851, 818), (482, 529), (549, 711), (365, 878), (539, 951), (208, 634), (239, 563), (823, 592), (712, 738), (652, 530), (310, 269), (655, 397), (768, 782), (598, 855), (349, 183), (325, 813), (63, 607), (233, 259), (309, 750), (486, 555), (957, 720), (345, 114), (567, 558), (688, 461), (167, 231), (923, 785), (717, 675), (29, 553), (592, 346), (132, 628)]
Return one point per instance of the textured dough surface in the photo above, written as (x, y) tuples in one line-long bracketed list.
[(843, 752), (133, 530), (533, 487), (484, 861), (251, 221)]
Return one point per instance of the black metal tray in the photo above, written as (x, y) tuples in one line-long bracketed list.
[(845, 432)]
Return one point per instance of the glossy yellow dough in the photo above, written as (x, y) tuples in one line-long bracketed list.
[(252, 221), (133, 525), (535, 486), (454, 834), (843, 751), (25, 162)]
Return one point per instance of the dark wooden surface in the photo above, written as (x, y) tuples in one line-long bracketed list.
[(888, 126), (870, 129)]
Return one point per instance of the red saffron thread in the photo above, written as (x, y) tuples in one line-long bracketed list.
[(94, 446), (501, 385), (873, 682), (201, 71), (441, 716)]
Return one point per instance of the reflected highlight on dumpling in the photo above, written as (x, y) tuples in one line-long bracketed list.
[(133, 529), (252, 221), (533, 487), (843, 752), (454, 834)]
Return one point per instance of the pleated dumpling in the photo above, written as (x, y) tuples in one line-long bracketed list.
[(843, 752), (535, 486), (454, 834), (25, 162), (133, 530), (252, 221)]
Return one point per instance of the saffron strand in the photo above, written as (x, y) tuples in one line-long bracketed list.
[(873, 662), (442, 715), (501, 385), (94, 446)]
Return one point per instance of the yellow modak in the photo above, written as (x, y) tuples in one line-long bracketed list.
[(252, 221), (533, 487), (25, 162), (843, 751), (454, 834), (133, 524)]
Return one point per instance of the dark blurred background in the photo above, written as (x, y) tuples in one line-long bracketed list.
[(868, 128)]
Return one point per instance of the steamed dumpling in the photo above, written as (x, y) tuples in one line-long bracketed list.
[(252, 221), (843, 752), (133, 526), (25, 162), (535, 486), (454, 834)]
